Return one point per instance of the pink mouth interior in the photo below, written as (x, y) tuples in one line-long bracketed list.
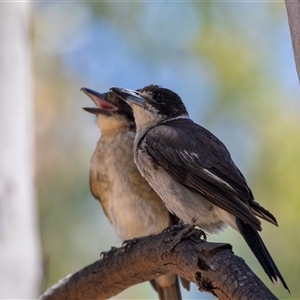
[(103, 104)]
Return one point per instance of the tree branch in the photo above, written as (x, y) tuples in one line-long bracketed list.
[(293, 12), (211, 266)]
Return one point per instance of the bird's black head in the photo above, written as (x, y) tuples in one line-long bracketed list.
[(109, 105), (157, 103), (165, 101)]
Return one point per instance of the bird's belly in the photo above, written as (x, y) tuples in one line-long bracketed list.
[(187, 205), (133, 215)]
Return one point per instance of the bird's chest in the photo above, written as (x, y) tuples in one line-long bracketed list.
[(131, 205), (111, 163), (134, 208)]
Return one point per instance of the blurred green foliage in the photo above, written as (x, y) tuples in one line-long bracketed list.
[(253, 109)]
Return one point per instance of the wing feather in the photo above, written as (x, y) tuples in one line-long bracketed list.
[(199, 161)]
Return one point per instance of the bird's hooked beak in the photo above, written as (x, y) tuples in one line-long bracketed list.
[(102, 105), (130, 96)]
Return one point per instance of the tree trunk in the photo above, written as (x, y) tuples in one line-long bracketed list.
[(293, 12), (20, 267)]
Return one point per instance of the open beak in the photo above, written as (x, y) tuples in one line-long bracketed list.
[(131, 97), (102, 105)]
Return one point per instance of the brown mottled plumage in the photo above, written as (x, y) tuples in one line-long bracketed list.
[(130, 204)]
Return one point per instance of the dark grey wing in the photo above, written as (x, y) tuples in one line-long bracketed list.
[(201, 162)]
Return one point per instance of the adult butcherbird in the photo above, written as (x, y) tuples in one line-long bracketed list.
[(192, 171), (130, 204)]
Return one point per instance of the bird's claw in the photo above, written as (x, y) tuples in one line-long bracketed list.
[(107, 254), (176, 227), (182, 231), (125, 245), (129, 243)]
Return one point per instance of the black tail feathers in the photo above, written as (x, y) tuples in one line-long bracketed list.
[(260, 251)]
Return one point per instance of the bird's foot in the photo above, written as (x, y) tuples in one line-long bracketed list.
[(125, 245), (129, 243), (108, 254), (176, 227), (181, 232)]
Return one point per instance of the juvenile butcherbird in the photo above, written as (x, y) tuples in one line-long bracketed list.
[(130, 204), (192, 171)]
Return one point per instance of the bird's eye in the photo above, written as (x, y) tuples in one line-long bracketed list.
[(159, 97)]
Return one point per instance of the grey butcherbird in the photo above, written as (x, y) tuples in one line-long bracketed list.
[(130, 204), (192, 171)]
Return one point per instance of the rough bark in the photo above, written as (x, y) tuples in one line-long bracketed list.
[(293, 12), (211, 266), (20, 271)]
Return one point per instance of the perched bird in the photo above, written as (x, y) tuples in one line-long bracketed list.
[(130, 204), (192, 171)]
